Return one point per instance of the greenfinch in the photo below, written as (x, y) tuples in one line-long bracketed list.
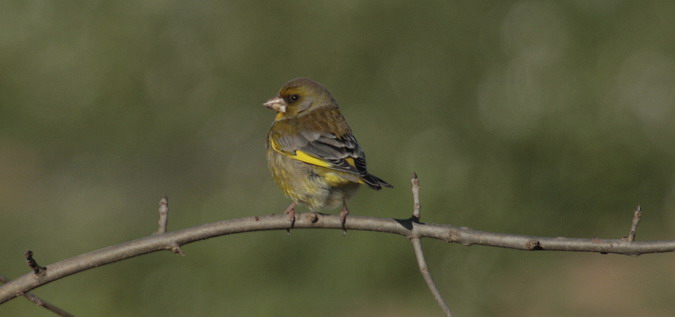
[(311, 151)]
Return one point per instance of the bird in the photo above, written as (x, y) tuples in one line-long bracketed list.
[(311, 151)]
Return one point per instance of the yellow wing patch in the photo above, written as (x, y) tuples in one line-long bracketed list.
[(301, 156), (333, 178), (304, 157)]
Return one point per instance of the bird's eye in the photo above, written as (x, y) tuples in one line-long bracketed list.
[(294, 97)]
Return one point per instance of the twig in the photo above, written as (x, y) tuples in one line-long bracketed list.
[(419, 253), (37, 269), (163, 215), (416, 195), (633, 227), (39, 301), (422, 263), (449, 233)]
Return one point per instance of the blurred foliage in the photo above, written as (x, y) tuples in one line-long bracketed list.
[(530, 117)]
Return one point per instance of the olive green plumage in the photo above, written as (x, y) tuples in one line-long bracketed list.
[(311, 151)]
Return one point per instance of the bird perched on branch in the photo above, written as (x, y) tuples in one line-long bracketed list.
[(311, 151)]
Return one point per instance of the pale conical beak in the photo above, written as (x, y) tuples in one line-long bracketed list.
[(277, 104)]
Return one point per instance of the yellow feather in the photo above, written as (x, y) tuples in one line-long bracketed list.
[(304, 157), (301, 156), (279, 116), (335, 180)]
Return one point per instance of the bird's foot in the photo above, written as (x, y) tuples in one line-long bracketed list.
[(343, 219), (290, 211)]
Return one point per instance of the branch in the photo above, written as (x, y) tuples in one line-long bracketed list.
[(40, 302), (406, 227), (419, 253), (424, 269)]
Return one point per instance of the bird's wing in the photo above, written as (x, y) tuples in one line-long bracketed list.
[(324, 149)]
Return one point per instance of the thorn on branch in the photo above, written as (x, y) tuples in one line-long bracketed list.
[(633, 227), (37, 269), (163, 215)]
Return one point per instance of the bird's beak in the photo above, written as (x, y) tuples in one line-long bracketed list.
[(277, 104)]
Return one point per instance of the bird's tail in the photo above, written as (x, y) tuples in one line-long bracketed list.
[(375, 182)]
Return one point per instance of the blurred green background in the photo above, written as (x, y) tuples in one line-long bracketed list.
[(529, 117)]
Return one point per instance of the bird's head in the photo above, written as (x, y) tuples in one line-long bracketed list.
[(300, 96)]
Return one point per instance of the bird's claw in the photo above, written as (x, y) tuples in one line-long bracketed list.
[(343, 220), (290, 211)]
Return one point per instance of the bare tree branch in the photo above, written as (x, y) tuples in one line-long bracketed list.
[(410, 228), (419, 252), (40, 302), (174, 239), (424, 269)]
